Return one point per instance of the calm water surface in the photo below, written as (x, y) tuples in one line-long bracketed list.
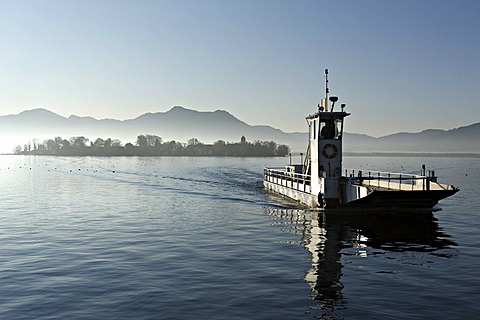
[(198, 238)]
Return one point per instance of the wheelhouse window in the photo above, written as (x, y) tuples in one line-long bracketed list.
[(313, 129), (331, 129)]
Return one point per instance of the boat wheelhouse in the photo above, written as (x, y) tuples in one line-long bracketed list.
[(320, 182)]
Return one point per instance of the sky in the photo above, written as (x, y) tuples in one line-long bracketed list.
[(400, 66)]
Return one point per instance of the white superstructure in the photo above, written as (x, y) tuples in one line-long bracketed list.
[(320, 181)]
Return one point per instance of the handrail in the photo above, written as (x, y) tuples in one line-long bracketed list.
[(398, 181), (281, 171), (387, 180), (385, 173), (281, 177)]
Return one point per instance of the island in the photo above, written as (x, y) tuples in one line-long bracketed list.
[(151, 145)]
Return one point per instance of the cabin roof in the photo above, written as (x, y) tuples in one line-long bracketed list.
[(328, 115)]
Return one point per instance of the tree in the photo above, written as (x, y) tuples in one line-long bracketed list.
[(107, 143), (59, 141), (219, 143), (51, 146), (116, 143), (99, 142), (282, 150), (172, 147), (78, 142), (153, 140), (193, 142), (65, 145), (142, 141)]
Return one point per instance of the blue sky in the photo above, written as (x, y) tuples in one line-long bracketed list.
[(398, 65)]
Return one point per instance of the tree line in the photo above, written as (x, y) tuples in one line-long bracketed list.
[(150, 145)]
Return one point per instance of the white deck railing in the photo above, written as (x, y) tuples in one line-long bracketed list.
[(386, 180), (296, 181), (396, 181)]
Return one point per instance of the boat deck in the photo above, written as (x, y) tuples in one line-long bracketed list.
[(390, 181)]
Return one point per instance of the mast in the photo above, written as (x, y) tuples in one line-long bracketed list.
[(326, 90)]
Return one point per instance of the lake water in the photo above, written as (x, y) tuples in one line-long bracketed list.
[(198, 238)]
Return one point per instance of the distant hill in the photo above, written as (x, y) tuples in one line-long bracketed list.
[(462, 140), (181, 124)]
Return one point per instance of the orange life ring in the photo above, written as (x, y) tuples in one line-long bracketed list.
[(330, 155)]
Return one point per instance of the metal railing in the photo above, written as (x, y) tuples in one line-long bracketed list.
[(292, 180), (396, 181)]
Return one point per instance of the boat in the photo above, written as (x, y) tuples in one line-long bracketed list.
[(320, 182)]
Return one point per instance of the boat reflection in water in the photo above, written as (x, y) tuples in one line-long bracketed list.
[(329, 236)]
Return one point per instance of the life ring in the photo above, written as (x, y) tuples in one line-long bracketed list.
[(330, 154)]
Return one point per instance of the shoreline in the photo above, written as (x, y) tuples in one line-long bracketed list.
[(348, 154)]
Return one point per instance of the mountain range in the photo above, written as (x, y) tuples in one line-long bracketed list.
[(181, 124)]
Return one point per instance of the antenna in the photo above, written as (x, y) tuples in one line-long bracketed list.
[(326, 87)]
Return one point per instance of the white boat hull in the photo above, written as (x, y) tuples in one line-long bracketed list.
[(361, 193), (304, 198)]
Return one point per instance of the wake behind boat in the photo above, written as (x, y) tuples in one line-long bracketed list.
[(320, 182)]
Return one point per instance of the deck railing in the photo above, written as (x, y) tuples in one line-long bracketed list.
[(292, 180), (386, 180), (396, 181)]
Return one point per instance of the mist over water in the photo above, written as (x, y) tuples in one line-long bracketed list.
[(178, 237)]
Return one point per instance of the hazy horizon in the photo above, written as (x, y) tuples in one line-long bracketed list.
[(209, 127)]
